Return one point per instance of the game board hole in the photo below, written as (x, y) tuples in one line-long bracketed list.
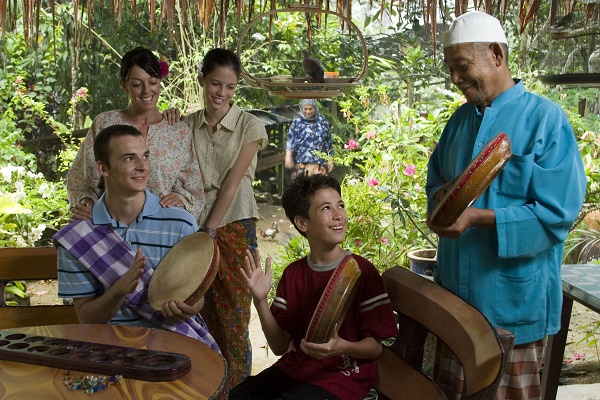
[(137, 353), (116, 351), (101, 358), (54, 342), (34, 339), (18, 346), (38, 349), (60, 352), (80, 354), (16, 336), (124, 361), (93, 347), (73, 345), (4, 342), (158, 360)]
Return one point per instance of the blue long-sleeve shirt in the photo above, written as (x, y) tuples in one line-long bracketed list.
[(512, 273)]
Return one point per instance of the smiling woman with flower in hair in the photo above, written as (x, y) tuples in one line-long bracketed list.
[(175, 176)]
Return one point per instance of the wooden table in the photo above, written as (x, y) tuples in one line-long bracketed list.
[(206, 380), (580, 283)]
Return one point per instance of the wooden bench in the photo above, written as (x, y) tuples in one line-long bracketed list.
[(424, 306), (31, 263)]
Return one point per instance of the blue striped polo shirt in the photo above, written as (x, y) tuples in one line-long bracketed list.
[(155, 231)]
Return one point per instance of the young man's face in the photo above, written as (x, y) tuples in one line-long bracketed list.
[(129, 165), (327, 218)]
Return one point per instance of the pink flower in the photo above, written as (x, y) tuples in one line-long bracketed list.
[(410, 170), (384, 240), (351, 145), (81, 92), (463, 100), (18, 80), (373, 182), (371, 135), (358, 242), (418, 187), (164, 68), (360, 218)]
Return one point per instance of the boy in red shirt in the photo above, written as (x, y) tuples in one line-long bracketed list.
[(343, 367)]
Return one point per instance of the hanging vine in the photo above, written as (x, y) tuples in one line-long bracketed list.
[(216, 11)]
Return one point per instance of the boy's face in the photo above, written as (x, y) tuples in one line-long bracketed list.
[(327, 218)]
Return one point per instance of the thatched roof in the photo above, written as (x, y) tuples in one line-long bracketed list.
[(208, 11)]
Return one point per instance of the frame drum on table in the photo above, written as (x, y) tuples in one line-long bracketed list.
[(335, 301), (473, 181), (186, 271)]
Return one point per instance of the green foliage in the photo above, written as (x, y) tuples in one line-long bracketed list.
[(591, 337), (387, 159)]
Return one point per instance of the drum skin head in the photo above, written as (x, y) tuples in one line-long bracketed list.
[(186, 271), (335, 301), (473, 181)]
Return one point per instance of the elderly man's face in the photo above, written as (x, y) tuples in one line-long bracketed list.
[(475, 70)]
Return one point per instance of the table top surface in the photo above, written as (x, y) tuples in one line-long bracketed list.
[(205, 380), (582, 283)]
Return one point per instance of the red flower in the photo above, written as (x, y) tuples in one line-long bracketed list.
[(164, 68)]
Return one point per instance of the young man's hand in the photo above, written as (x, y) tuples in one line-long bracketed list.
[(179, 311), (130, 279)]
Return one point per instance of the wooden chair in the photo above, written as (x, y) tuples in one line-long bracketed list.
[(31, 263), (424, 306)]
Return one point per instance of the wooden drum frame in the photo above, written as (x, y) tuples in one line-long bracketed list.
[(186, 271), (473, 181), (335, 301)]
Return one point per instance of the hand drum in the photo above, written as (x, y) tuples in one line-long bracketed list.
[(473, 181), (335, 301), (186, 271)]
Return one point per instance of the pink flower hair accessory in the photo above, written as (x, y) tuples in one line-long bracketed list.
[(164, 68)]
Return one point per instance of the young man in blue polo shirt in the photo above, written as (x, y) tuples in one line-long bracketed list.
[(105, 263)]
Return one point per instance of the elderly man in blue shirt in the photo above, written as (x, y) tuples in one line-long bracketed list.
[(503, 254)]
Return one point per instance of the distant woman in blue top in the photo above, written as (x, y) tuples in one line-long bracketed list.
[(309, 132)]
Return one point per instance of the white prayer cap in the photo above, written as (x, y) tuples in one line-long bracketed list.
[(475, 26)]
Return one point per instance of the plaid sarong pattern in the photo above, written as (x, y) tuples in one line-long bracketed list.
[(101, 250), (520, 381)]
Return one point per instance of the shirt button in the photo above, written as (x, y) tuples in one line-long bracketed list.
[(479, 144)]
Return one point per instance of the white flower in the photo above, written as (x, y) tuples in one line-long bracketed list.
[(20, 191), (7, 172), (43, 189), (36, 233), (20, 241)]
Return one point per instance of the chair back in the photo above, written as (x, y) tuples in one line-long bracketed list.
[(424, 306)]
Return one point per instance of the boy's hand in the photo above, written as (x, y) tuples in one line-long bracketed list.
[(258, 282), (130, 279), (323, 350)]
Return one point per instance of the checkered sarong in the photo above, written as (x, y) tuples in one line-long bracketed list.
[(521, 379), (101, 250)]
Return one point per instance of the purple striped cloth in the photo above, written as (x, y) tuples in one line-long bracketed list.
[(105, 254)]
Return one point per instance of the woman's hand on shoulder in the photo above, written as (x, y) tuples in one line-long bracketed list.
[(82, 210), (172, 115), (171, 200)]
